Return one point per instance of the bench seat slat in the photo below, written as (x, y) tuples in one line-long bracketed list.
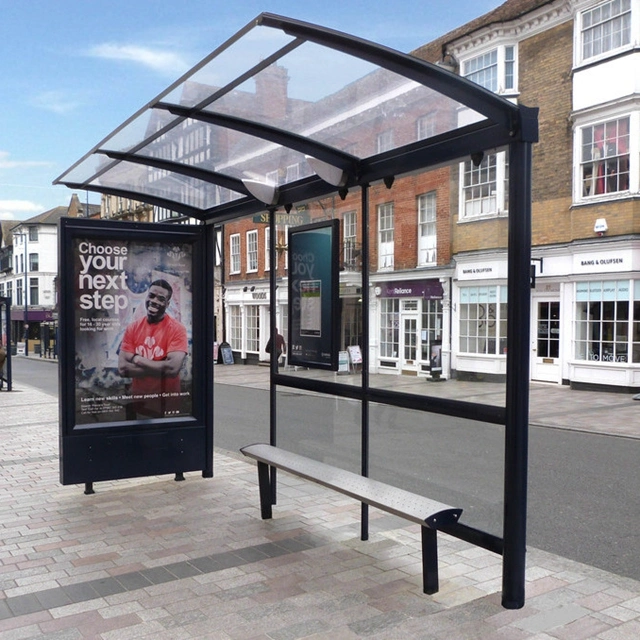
[(405, 504)]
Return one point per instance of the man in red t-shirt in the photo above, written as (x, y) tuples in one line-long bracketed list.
[(152, 352)]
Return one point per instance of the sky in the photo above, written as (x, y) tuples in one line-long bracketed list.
[(74, 70)]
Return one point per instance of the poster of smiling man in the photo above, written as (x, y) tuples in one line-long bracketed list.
[(133, 328)]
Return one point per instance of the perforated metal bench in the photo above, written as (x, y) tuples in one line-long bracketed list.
[(431, 515)]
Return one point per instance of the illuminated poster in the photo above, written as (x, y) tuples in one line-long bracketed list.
[(133, 329), (313, 295)]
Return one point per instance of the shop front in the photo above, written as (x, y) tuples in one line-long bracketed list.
[(412, 321)]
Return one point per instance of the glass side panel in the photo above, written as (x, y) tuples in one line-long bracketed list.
[(320, 426), (458, 462)]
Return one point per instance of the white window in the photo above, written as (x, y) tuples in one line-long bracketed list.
[(234, 246), (293, 172), (427, 245), (385, 141), (252, 251), (494, 70), (605, 28), (483, 320), (485, 188), (605, 158), (253, 327), (389, 327), (235, 327), (385, 236), (349, 236), (267, 249), (607, 321), (425, 126), (33, 234)]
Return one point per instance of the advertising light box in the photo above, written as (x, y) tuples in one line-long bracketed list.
[(132, 343)]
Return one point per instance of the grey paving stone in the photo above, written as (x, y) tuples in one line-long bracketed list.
[(132, 581), (157, 575), (106, 586), (25, 604), (52, 598), (80, 592), (182, 570)]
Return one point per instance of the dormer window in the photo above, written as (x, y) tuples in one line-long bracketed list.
[(494, 70)]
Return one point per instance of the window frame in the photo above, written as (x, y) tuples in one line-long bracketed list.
[(426, 204), (389, 328), (496, 205), (482, 320), (251, 239), (583, 184), (386, 257), (580, 31), (235, 263), (505, 67)]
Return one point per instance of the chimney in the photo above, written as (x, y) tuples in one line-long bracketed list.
[(271, 91)]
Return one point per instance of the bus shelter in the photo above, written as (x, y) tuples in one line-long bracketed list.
[(286, 113)]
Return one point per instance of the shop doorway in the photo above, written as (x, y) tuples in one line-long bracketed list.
[(409, 337), (545, 341)]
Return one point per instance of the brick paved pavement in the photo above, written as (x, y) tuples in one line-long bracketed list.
[(158, 559)]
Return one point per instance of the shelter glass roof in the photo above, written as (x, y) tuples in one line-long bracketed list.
[(270, 103)]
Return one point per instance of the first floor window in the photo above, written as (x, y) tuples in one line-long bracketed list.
[(253, 327), (349, 235), (427, 244), (605, 157), (234, 246), (607, 321), (19, 300), (385, 236), (485, 186), (252, 251), (267, 249), (389, 327), (34, 295), (235, 327), (34, 262), (483, 320)]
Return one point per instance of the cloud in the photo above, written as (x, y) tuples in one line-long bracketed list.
[(60, 102), (18, 209), (156, 59), (7, 163)]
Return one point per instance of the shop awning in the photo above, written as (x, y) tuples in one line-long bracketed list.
[(286, 111)]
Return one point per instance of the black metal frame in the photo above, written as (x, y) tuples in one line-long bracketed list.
[(6, 374)]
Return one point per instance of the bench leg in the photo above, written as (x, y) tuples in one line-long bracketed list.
[(429, 560), (264, 483)]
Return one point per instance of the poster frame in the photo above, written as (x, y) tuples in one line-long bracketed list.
[(303, 346), (136, 446)]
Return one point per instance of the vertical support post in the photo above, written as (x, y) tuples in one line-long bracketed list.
[(208, 278), (264, 484), (364, 508), (429, 560), (273, 363), (517, 392)]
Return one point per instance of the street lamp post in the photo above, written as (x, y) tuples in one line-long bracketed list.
[(24, 293)]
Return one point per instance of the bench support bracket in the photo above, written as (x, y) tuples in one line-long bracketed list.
[(429, 560)]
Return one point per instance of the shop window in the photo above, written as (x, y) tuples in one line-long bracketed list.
[(389, 327), (234, 250), (431, 325), (483, 320), (253, 327), (605, 28), (235, 327), (427, 239), (604, 158), (602, 322)]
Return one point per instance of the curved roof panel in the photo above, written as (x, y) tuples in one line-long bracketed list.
[(278, 105)]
